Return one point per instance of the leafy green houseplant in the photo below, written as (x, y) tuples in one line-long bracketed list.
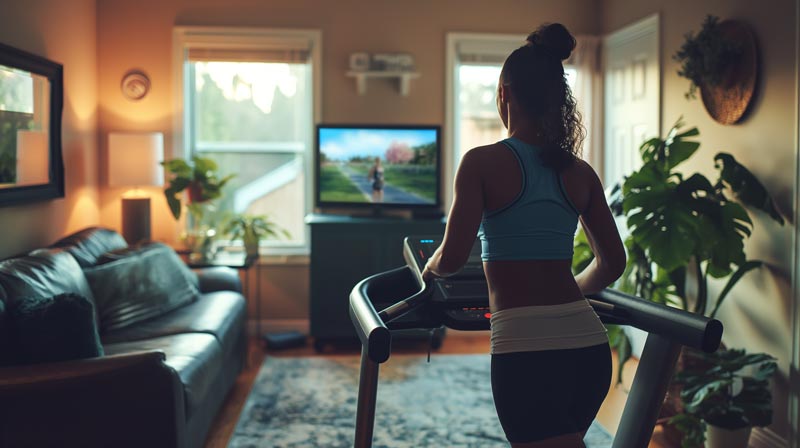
[(683, 228), (683, 222), (202, 184), (200, 180), (251, 229), (717, 391), (704, 57)]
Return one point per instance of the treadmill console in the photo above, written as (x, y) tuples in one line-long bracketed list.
[(462, 298)]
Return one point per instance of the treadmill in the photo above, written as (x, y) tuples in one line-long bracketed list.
[(461, 302)]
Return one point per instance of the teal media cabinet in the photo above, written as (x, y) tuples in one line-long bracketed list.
[(344, 251)]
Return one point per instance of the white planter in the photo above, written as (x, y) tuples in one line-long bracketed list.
[(717, 437)]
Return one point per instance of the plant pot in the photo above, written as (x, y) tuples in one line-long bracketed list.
[(251, 246), (250, 240), (717, 437)]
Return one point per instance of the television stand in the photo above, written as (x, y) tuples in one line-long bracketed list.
[(345, 250), (427, 214)]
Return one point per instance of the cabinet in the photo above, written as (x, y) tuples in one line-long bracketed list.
[(344, 251)]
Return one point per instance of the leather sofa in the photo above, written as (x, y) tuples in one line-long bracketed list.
[(160, 382)]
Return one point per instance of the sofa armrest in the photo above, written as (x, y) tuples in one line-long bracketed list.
[(131, 399), (219, 278)]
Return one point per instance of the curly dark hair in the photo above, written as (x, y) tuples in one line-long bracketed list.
[(535, 75)]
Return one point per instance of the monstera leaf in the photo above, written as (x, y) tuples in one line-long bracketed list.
[(671, 151), (661, 221), (745, 186)]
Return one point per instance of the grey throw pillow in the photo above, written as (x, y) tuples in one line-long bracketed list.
[(135, 284)]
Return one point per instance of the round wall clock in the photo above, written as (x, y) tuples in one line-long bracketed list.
[(135, 85)]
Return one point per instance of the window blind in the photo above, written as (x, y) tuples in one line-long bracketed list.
[(485, 51)]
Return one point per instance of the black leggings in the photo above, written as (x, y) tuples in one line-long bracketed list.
[(544, 394)]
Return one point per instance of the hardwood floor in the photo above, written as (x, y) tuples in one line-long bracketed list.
[(453, 343)]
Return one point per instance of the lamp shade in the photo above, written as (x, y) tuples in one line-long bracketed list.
[(33, 158), (134, 159)]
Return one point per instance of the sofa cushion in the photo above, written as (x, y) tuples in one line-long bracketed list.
[(141, 284), (89, 244), (42, 273), (51, 329), (196, 357), (221, 314)]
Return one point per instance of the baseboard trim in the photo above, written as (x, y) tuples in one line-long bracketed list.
[(278, 325), (766, 438)]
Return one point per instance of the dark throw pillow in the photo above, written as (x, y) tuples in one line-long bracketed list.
[(139, 283), (52, 329)]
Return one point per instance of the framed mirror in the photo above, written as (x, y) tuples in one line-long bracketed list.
[(31, 101)]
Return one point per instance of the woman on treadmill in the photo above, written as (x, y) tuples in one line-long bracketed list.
[(523, 197)]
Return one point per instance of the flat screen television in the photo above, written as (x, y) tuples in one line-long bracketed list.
[(378, 166)]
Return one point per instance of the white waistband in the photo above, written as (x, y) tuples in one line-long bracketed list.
[(546, 327)]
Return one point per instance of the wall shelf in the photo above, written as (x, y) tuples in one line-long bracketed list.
[(403, 78)]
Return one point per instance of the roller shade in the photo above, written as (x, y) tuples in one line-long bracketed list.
[(486, 51), (212, 45), (273, 55)]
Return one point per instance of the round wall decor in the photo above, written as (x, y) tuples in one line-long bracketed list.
[(727, 102), (135, 85)]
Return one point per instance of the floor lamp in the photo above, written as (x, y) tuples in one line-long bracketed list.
[(134, 160)]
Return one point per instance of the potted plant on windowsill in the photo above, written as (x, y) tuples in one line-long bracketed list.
[(251, 229), (721, 403), (200, 181)]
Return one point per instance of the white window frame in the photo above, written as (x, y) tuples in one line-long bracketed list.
[(496, 44), (187, 37)]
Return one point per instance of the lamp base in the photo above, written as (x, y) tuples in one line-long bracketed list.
[(136, 220)]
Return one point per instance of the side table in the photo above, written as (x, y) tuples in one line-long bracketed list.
[(239, 260), (236, 260)]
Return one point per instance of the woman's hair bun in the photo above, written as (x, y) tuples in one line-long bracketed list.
[(555, 38)]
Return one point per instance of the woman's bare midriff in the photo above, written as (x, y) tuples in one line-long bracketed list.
[(515, 283)]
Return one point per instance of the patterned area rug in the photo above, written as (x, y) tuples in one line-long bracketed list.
[(311, 402)]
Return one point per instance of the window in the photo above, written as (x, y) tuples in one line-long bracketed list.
[(250, 101), (475, 61)]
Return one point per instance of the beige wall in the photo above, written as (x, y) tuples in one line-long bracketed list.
[(757, 315), (138, 35), (65, 33)]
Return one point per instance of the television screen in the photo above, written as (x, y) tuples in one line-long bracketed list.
[(394, 166)]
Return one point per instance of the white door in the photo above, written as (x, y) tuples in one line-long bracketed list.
[(632, 72), (632, 104)]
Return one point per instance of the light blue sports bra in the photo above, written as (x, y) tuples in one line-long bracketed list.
[(540, 223)]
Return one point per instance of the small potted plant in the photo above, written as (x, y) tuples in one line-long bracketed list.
[(706, 56), (725, 394), (202, 184), (251, 229)]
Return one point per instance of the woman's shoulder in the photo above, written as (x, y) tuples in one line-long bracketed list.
[(581, 173), (485, 151)]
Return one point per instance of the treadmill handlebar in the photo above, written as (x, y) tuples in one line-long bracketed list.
[(691, 330), (404, 306), (371, 329)]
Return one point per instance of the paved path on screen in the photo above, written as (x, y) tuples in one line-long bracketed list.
[(390, 194)]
